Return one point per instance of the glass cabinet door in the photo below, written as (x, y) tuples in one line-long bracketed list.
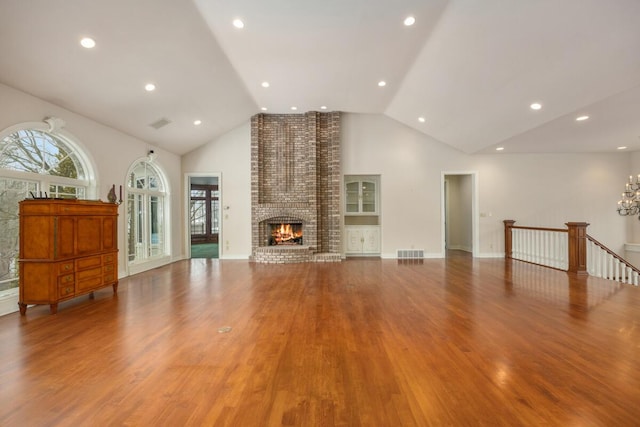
[(353, 197), (361, 196), (368, 196)]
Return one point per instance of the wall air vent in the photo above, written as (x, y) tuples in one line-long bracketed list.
[(160, 123), (410, 253)]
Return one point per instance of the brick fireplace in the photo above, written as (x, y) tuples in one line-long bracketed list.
[(296, 179)]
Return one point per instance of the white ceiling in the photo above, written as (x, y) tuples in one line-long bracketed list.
[(471, 68)]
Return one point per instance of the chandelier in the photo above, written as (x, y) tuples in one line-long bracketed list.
[(630, 203)]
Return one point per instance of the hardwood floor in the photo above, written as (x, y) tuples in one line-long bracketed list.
[(456, 342)]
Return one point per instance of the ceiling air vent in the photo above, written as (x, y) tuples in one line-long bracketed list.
[(160, 123)]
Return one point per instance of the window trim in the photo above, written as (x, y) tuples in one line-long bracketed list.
[(54, 126)]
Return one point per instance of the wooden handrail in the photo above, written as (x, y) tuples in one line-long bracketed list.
[(613, 254), (562, 230)]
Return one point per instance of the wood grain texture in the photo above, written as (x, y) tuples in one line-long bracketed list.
[(364, 342)]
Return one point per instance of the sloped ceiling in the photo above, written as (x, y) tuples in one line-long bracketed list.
[(470, 68)]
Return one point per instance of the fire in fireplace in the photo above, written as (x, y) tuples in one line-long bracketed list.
[(286, 234)]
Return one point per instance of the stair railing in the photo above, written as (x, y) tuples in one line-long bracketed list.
[(570, 249), (603, 262)]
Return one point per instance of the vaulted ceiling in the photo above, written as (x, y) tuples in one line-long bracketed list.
[(470, 69)]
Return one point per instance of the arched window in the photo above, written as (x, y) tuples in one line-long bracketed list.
[(36, 160), (147, 202)]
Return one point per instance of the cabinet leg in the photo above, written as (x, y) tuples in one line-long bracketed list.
[(23, 308), (115, 288), (53, 308), (92, 296)]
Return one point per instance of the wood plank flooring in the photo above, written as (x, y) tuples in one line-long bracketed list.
[(447, 342)]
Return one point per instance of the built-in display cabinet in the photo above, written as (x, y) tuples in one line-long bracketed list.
[(361, 215)]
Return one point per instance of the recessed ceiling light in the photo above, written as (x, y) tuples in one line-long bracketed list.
[(88, 42), (149, 87), (422, 119), (582, 118), (197, 122), (382, 83), (622, 148), (238, 23), (535, 106), (499, 148), (265, 84), (324, 107), (264, 108), (294, 108), (409, 21)]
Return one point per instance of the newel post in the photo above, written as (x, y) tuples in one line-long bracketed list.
[(508, 239), (577, 247)]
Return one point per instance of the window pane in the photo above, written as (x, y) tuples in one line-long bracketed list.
[(11, 192), (215, 222), (66, 191), (138, 177), (198, 217), (39, 152), (157, 226), (131, 226)]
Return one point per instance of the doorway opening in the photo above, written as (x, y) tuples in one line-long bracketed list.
[(204, 216), (459, 219)]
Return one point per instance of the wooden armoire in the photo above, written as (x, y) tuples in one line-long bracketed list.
[(68, 248)]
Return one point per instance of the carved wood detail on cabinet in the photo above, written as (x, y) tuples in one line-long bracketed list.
[(68, 248)]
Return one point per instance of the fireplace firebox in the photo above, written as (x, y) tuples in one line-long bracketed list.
[(285, 234)]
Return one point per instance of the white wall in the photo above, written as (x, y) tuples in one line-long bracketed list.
[(112, 152), (548, 190), (533, 189), (230, 156), (537, 190)]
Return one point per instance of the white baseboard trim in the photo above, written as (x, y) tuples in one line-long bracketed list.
[(490, 255), (148, 265)]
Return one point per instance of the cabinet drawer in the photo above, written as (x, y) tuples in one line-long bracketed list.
[(89, 279), (79, 208), (65, 267), (108, 268), (109, 258), (109, 278), (66, 290), (67, 279), (89, 283), (88, 262)]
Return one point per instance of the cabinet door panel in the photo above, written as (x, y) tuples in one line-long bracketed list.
[(89, 235), (65, 237), (109, 233), (371, 240), (354, 240), (35, 240)]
